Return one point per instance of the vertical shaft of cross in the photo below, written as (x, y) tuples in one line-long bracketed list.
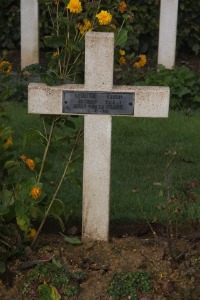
[(99, 55), (167, 33), (29, 32)]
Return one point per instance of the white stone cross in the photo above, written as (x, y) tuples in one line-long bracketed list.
[(148, 102), (167, 33), (29, 32)]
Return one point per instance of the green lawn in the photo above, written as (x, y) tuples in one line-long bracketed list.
[(142, 176)]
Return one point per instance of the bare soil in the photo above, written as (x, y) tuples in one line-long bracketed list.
[(174, 264)]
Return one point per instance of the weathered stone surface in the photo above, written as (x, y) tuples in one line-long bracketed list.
[(150, 102), (167, 33), (29, 32)]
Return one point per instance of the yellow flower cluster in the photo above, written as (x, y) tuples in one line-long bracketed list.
[(8, 142), (74, 6), (85, 26), (104, 17), (142, 62), (122, 59), (5, 67), (35, 192), (122, 6), (29, 162)]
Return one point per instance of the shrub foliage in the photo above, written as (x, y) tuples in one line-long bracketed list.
[(143, 34)]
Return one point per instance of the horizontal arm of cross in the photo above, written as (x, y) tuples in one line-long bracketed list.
[(150, 101)]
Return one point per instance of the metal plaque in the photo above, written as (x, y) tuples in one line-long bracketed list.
[(105, 103)]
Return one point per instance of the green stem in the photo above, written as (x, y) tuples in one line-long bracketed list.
[(120, 28), (57, 33), (58, 187), (74, 63), (46, 149), (94, 16)]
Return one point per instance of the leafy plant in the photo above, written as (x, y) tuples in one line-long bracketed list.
[(129, 285), (70, 20), (10, 24), (183, 82), (52, 280), (188, 26), (143, 26)]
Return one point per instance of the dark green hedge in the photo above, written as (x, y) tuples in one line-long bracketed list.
[(189, 25), (143, 35), (9, 24)]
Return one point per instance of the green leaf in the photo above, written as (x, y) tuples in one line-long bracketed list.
[(4, 210), (61, 223), (11, 164), (71, 240), (50, 78), (56, 263), (196, 99), (7, 197), (54, 293), (57, 207), (22, 219), (54, 41), (34, 69), (6, 132), (48, 292), (23, 222), (196, 48), (44, 292), (121, 38), (32, 136)]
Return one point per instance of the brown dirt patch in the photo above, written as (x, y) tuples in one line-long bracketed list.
[(100, 260)]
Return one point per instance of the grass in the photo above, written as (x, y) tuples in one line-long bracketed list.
[(140, 163), (142, 173)]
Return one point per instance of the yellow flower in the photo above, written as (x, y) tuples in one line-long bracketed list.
[(104, 17), (85, 26), (35, 192), (122, 52), (30, 163), (142, 62), (122, 60), (74, 6), (8, 142), (55, 54), (5, 67), (31, 233), (122, 6)]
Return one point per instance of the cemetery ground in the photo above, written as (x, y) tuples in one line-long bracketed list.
[(150, 158)]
